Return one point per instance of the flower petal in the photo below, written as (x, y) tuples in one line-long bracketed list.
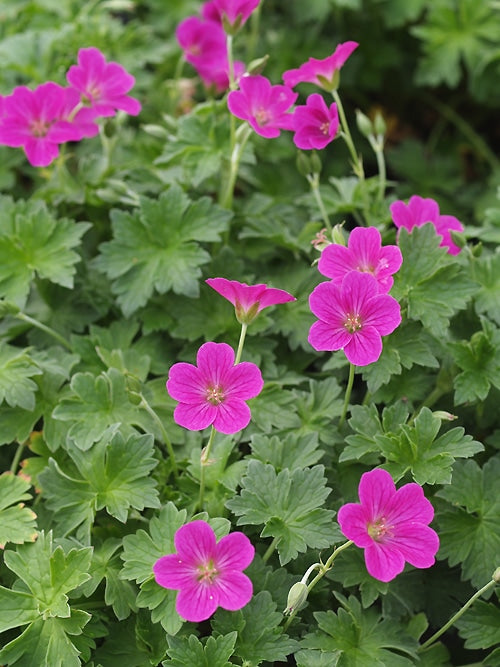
[(353, 522), (234, 552), (233, 589), (195, 542), (232, 416), (213, 361), (244, 381), (172, 572), (185, 383), (195, 416), (383, 561), (323, 336), (376, 490), (197, 602), (418, 544), (364, 347)]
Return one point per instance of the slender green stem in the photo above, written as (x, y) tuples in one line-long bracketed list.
[(227, 187), (270, 549), (170, 450), (456, 616), (241, 342), (314, 183), (43, 327), (254, 31), (346, 135), (204, 461), (323, 569), (378, 149), (350, 381), (17, 458)]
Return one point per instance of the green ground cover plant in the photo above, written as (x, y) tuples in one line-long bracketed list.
[(249, 333)]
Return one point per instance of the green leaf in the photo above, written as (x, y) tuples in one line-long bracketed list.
[(16, 608), (350, 570), (33, 242), (480, 626), (17, 524), (362, 637), (289, 506), (97, 407), (291, 451), (487, 273), (469, 522), (16, 370), (113, 475), (189, 651), (157, 248), (318, 407), (260, 637)]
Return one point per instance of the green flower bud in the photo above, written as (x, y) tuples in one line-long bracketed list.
[(364, 124), (257, 66), (315, 163), (379, 124), (303, 164), (444, 416), (337, 235), (296, 598), (495, 576), (458, 238)]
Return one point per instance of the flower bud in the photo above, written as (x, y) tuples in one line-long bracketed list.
[(458, 238), (495, 576), (337, 235), (444, 416), (257, 66), (379, 124), (315, 163), (303, 164), (296, 598), (364, 124)]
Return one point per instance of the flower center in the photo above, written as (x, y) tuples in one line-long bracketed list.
[(215, 395), (261, 116), (365, 268), (39, 128), (207, 573), (379, 530), (324, 128), (352, 322)]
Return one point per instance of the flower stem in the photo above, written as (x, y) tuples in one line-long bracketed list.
[(346, 135), (204, 461), (243, 333), (323, 569), (378, 148), (270, 549), (43, 327), (350, 381), (456, 616), (237, 147), (314, 183), (170, 450), (17, 457)]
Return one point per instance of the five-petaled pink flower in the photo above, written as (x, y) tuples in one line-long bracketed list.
[(364, 253), (263, 105), (103, 86), (315, 123), (235, 12), (248, 300), (323, 73), (207, 574), (36, 120), (391, 526), (352, 316), (418, 211), (215, 391)]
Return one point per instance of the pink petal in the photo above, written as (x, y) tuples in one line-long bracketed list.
[(335, 261), (234, 552), (376, 491), (383, 561), (244, 381), (195, 417), (174, 573), (324, 337), (40, 152), (356, 290), (213, 361), (197, 602), (364, 347), (382, 313), (325, 303), (185, 383), (233, 590), (273, 296), (409, 505), (232, 416), (418, 544), (353, 523), (195, 543)]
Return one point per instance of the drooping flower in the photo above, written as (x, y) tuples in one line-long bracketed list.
[(315, 123), (103, 86), (36, 121), (391, 526), (263, 105), (214, 392), (235, 12), (248, 300), (353, 316), (418, 211), (365, 253), (208, 574), (323, 73)]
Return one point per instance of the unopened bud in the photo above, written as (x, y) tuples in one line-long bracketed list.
[(495, 576), (458, 238), (303, 164), (257, 66), (379, 124), (444, 416), (315, 163), (364, 124), (338, 235), (296, 598), (477, 250)]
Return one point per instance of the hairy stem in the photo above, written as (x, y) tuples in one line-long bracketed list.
[(43, 327), (170, 450)]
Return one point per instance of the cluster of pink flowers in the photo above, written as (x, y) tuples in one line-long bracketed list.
[(353, 309), (40, 120), (418, 211)]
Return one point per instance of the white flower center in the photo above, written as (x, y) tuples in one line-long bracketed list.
[(352, 322), (215, 395), (380, 530)]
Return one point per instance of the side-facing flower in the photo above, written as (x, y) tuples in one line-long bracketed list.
[(234, 12), (203, 41), (103, 86), (364, 253), (353, 316), (324, 73), (263, 105), (248, 300), (391, 526), (315, 123), (208, 574), (214, 392), (418, 211)]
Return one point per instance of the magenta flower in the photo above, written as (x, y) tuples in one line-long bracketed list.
[(418, 211), (35, 120), (248, 300), (235, 12), (264, 106), (203, 42), (364, 253), (352, 317), (214, 392), (315, 124), (323, 73), (391, 526), (207, 574), (102, 85)]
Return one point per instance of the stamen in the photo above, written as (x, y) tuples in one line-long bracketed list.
[(352, 322)]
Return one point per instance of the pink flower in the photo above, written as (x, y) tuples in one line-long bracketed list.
[(391, 526), (248, 300), (209, 11), (364, 253), (315, 124), (34, 119), (352, 317), (235, 12), (324, 73), (264, 106), (216, 76), (214, 392), (207, 574), (102, 86), (418, 211), (203, 42)]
